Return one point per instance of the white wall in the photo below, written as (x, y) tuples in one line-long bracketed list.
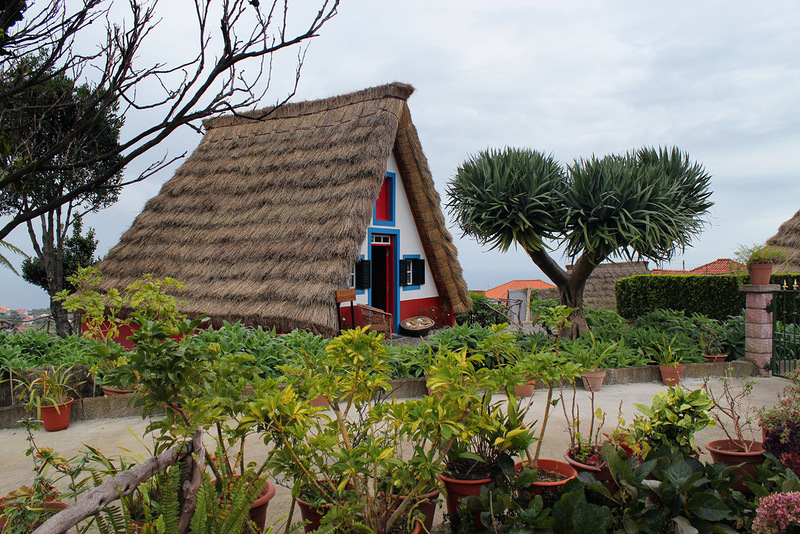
[(409, 241)]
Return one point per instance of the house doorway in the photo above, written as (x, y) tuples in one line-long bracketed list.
[(383, 260)]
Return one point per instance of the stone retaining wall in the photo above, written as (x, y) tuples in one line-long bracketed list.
[(122, 405)]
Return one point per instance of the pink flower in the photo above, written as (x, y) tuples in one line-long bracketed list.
[(776, 512)]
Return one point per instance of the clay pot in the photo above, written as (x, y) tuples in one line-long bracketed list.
[(57, 506), (563, 469), (601, 472), (258, 510), (715, 358), (593, 380), (760, 273), (525, 390), (727, 452), (114, 391), (313, 516), (54, 419), (671, 374), (457, 488)]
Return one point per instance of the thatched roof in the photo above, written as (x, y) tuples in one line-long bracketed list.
[(788, 239), (264, 220)]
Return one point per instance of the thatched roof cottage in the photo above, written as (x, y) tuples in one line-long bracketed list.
[(277, 209)]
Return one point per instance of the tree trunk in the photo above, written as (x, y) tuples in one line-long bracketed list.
[(570, 286), (573, 298)]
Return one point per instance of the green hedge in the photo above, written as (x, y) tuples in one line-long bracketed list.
[(716, 296)]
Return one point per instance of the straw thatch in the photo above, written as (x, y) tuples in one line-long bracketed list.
[(788, 239), (264, 220)]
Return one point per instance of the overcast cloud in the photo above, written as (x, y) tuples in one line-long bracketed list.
[(718, 79)]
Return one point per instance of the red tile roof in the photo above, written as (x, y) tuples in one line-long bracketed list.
[(501, 291), (720, 266)]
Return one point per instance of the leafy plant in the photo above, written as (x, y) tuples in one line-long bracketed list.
[(760, 253), (672, 419), (349, 456), (51, 386), (484, 312), (666, 353), (590, 353), (782, 424)]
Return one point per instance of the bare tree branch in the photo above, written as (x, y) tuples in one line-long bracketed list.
[(190, 90)]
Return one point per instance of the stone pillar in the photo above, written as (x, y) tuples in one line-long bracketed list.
[(758, 324)]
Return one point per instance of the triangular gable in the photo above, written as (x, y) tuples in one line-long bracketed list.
[(264, 220)]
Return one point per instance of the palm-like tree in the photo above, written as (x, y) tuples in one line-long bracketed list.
[(645, 204), (4, 261)]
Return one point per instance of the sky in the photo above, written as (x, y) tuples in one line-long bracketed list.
[(718, 79)]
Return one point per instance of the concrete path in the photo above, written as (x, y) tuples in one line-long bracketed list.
[(124, 435)]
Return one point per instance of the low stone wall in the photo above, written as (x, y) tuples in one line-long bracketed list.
[(82, 409), (122, 405)]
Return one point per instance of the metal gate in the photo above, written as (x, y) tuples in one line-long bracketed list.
[(785, 331)]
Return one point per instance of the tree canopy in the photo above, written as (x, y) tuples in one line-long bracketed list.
[(645, 204)]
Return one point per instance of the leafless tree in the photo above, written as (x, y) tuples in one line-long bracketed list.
[(210, 82)]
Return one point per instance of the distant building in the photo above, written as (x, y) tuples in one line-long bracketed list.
[(502, 291)]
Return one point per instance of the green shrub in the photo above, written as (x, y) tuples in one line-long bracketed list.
[(716, 296), (484, 312), (33, 349)]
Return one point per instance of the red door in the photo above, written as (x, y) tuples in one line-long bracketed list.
[(383, 272)]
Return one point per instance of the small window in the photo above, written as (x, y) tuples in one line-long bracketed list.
[(383, 213), (412, 272)]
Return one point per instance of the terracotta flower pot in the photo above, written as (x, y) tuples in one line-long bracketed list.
[(601, 472), (55, 506), (258, 510), (426, 504), (729, 453), (561, 469), (114, 391), (55, 419), (525, 390), (671, 374), (313, 515), (593, 380), (760, 273), (715, 358), (457, 488)]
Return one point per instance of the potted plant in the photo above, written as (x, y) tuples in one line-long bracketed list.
[(346, 462), (760, 259), (711, 337), (49, 391), (672, 419), (549, 368), (591, 357), (780, 424), (733, 413), (668, 356), (583, 453), (197, 387), (55, 479)]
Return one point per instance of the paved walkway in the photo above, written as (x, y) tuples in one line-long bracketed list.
[(124, 436)]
